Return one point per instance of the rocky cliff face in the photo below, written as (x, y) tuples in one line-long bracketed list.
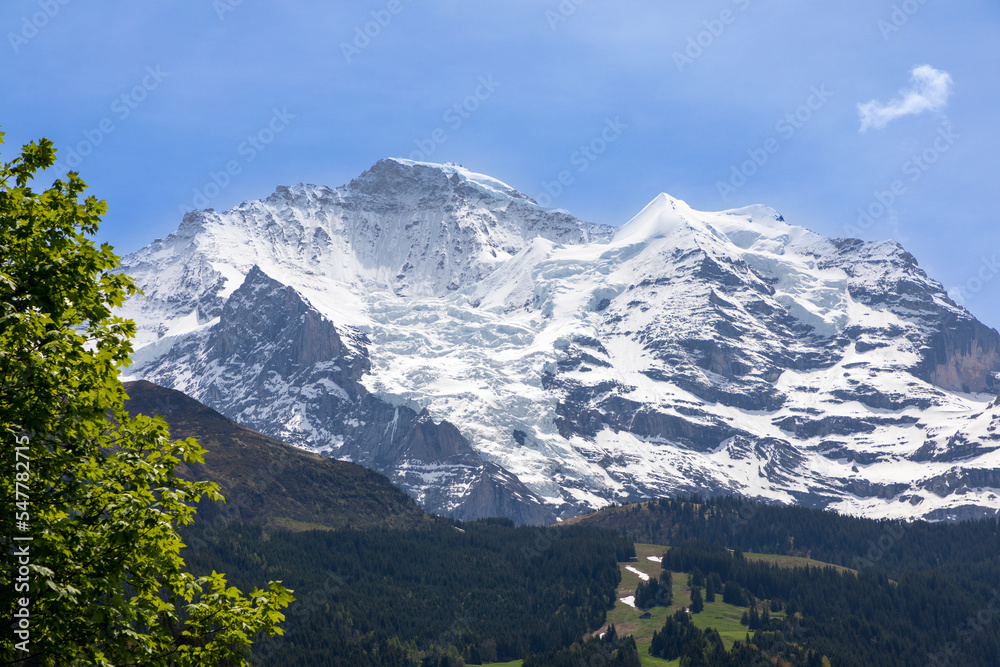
[(275, 364), (494, 357), (963, 355)]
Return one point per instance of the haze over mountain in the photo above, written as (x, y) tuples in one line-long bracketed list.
[(493, 357)]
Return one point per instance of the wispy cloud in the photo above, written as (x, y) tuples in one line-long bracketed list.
[(929, 91)]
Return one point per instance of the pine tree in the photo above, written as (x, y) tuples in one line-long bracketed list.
[(697, 603)]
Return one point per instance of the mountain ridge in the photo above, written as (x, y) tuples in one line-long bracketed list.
[(580, 364)]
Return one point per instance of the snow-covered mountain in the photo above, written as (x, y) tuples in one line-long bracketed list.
[(495, 357)]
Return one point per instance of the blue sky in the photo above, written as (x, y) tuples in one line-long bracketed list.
[(722, 103)]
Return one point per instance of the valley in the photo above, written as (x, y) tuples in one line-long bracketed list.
[(392, 585)]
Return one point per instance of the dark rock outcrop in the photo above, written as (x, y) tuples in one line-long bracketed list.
[(273, 363), (962, 355)]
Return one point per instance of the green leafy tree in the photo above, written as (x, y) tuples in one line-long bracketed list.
[(92, 572)]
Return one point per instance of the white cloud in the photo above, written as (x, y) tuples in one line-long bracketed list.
[(929, 91)]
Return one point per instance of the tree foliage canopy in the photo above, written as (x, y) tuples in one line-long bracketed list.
[(92, 572)]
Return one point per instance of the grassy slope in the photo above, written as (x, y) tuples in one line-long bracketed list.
[(722, 617), (268, 482), (718, 615), (794, 561)]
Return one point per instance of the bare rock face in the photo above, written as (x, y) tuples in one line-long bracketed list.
[(957, 352), (963, 355), (274, 364), (263, 310)]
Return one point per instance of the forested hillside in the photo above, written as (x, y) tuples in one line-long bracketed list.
[(891, 546), (378, 581), (901, 594), (481, 591), (386, 584), (851, 619)]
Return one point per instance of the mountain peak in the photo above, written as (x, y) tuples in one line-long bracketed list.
[(719, 352), (391, 175), (660, 218), (665, 215)]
